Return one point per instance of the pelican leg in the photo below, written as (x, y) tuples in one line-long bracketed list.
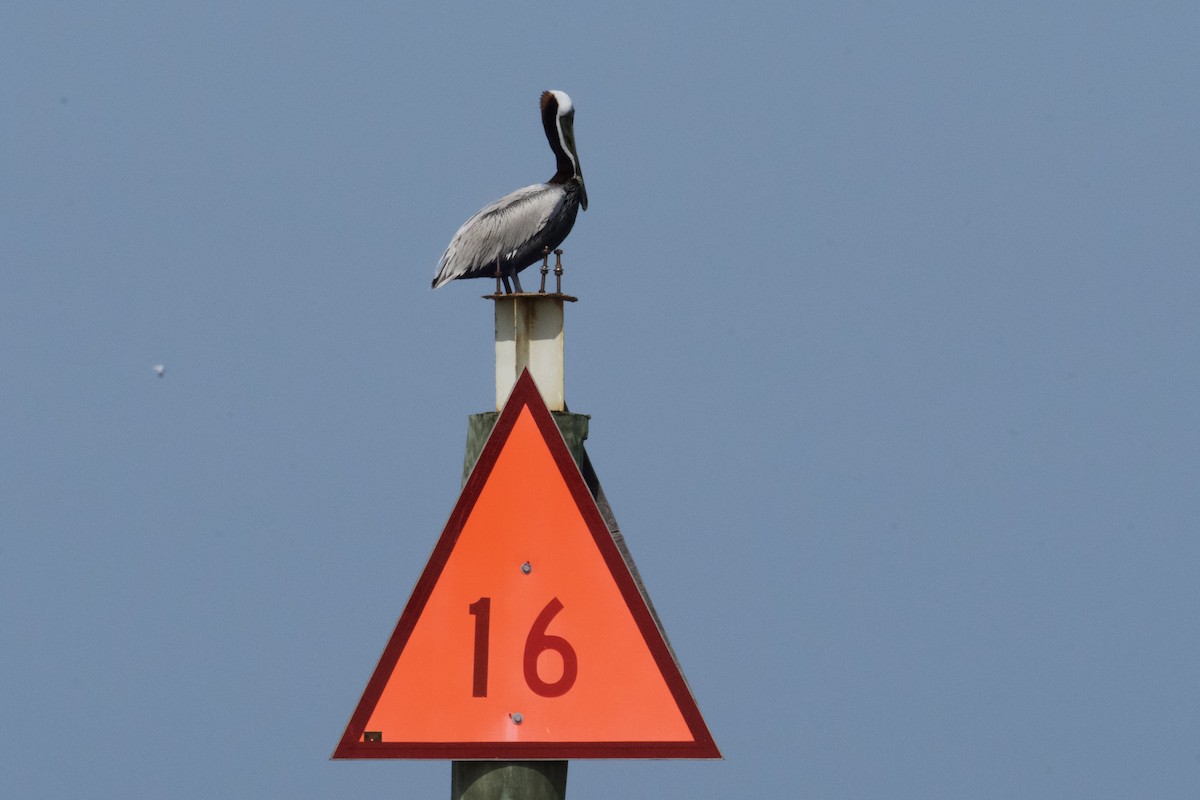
[(517, 281), (507, 288)]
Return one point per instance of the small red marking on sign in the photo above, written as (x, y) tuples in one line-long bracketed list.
[(526, 635)]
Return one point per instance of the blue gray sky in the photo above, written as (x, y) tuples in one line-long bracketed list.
[(887, 329)]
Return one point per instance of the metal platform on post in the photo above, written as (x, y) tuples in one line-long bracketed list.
[(529, 333)]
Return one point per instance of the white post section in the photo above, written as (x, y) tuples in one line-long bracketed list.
[(529, 333)]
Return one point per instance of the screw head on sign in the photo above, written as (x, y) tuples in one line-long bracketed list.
[(517, 718), (527, 568)]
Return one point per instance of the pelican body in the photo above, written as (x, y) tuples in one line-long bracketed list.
[(506, 236)]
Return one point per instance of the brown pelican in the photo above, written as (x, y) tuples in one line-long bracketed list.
[(508, 235)]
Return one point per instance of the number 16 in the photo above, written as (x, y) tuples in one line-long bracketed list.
[(536, 643)]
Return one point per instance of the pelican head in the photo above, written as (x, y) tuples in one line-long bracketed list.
[(558, 120)]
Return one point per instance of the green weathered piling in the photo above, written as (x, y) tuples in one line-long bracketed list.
[(508, 780)]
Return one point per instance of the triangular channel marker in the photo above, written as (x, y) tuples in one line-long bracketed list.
[(526, 636)]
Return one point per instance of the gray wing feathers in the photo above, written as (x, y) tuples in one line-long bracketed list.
[(497, 229)]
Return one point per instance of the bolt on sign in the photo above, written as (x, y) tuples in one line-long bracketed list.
[(526, 636)]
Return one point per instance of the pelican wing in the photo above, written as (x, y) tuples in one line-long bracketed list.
[(497, 231)]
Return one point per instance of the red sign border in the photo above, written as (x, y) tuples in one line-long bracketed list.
[(525, 394)]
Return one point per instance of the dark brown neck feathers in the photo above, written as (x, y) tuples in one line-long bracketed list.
[(565, 167)]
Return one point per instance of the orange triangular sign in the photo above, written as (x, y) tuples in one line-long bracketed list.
[(526, 636)]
